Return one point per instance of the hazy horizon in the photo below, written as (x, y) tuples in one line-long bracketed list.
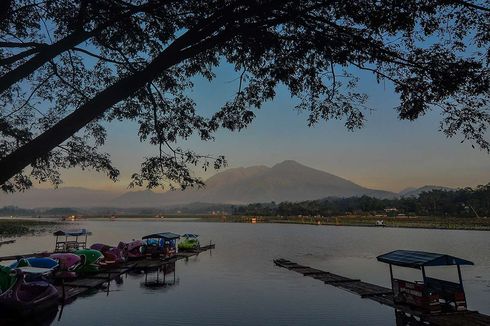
[(386, 154), (119, 188)]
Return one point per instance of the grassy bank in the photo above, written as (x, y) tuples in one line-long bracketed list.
[(368, 221), (15, 228)]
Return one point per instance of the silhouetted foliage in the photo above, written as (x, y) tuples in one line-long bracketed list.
[(69, 67), (465, 202)]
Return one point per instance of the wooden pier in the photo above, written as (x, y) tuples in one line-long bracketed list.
[(384, 296), (69, 290)]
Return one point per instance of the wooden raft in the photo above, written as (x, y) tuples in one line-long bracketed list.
[(384, 296), (87, 282)]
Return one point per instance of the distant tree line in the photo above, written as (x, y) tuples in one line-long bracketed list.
[(465, 202), (18, 211)]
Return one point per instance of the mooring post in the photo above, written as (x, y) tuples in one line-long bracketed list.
[(108, 281), (460, 277), (63, 290), (391, 278)]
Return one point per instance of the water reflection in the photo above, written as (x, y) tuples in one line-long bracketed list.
[(154, 278), (240, 285), (40, 318), (160, 278), (402, 319)]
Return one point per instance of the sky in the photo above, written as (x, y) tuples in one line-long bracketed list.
[(386, 154)]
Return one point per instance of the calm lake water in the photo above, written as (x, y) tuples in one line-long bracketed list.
[(238, 284)]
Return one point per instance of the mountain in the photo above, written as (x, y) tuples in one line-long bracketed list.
[(415, 192), (406, 191), (286, 181), (61, 197)]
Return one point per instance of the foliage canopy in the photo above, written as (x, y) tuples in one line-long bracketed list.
[(69, 67), (466, 202)]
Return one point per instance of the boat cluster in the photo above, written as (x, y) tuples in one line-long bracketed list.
[(30, 282)]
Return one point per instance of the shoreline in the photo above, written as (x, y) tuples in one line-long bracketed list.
[(482, 224), (14, 228), (18, 226)]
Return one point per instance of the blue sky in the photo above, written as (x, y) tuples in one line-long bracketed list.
[(386, 154)]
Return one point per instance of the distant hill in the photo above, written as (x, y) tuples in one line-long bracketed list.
[(286, 181), (415, 192), (61, 197)]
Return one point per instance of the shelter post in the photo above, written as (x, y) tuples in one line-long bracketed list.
[(459, 276), (391, 276)]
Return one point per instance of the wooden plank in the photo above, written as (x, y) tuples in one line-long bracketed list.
[(302, 270), (384, 296), (365, 289), (372, 294), (71, 292), (349, 280), (312, 271), (297, 267), (386, 299), (15, 257), (86, 283), (187, 254)]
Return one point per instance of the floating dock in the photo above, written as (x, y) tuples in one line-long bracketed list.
[(70, 289), (384, 296)]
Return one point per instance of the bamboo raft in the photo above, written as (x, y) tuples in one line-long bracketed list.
[(384, 296)]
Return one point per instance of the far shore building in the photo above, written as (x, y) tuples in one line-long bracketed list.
[(391, 212)]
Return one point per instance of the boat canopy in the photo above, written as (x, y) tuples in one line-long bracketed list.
[(190, 235), (163, 235), (419, 259), (73, 233)]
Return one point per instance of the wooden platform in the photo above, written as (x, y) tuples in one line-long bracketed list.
[(383, 295), (87, 282)]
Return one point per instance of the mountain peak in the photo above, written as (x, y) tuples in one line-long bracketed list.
[(285, 181), (288, 163)]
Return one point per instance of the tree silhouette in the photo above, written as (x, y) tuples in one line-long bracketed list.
[(68, 67)]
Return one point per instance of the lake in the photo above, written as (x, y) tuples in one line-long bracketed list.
[(238, 284)]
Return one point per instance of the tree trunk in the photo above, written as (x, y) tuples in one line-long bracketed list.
[(95, 107)]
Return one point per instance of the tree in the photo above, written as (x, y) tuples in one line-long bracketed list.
[(70, 67)]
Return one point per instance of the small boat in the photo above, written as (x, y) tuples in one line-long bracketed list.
[(161, 244), (133, 250), (71, 240), (189, 242), (112, 255), (90, 260), (431, 295), (68, 263), (19, 297), (38, 262)]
